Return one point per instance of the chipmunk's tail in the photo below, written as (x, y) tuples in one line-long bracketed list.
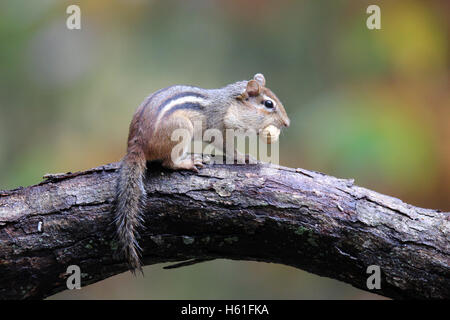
[(130, 195)]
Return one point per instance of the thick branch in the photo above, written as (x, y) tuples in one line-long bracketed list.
[(305, 219)]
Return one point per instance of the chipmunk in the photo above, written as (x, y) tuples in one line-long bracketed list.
[(241, 105)]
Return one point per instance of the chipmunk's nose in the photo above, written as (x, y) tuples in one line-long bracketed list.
[(286, 122)]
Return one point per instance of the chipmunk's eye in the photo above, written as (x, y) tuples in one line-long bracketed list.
[(268, 104)]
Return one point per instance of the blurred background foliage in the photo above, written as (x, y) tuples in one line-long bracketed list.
[(368, 105)]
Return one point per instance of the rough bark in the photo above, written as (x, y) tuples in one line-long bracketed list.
[(305, 219)]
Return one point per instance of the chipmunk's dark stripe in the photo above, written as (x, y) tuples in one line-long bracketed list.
[(187, 105), (178, 96), (150, 99)]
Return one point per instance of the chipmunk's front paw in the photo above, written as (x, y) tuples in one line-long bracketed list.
[(200, 159)]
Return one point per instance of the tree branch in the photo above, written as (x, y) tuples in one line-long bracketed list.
[(305, 219)]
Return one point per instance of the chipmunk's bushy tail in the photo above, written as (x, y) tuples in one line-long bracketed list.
[(130, 195)]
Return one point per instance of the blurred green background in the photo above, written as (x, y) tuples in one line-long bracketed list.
[(368, 105)]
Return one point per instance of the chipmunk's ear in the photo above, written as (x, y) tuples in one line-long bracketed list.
[(253, 88), (260, 78)]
